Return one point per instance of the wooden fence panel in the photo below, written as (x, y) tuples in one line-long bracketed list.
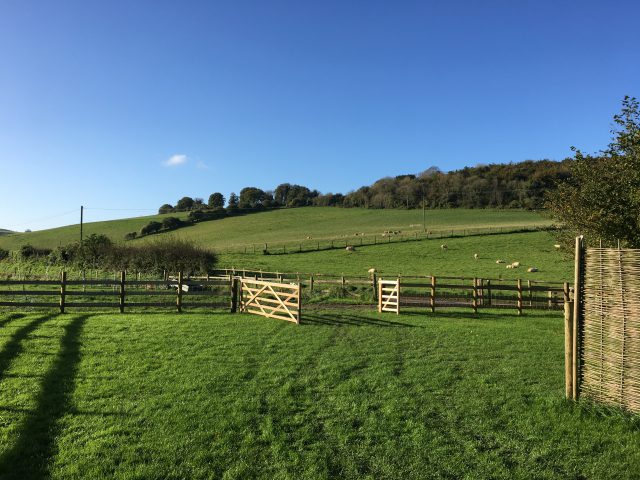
[(270, 299), (609, 327)]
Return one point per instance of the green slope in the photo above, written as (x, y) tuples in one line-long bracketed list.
[(287, 225), (115, 229)]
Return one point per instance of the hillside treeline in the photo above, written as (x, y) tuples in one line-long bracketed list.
[(513, 185)]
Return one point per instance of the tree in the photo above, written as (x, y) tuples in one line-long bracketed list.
[(166, 208), (601, 199), (216, 200), (251, 197), (232, 206), (185, 203)]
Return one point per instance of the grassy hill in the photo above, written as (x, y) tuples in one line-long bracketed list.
[(286, 225), (5, 232)]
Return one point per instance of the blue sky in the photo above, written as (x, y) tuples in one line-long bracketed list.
[(97, 96)]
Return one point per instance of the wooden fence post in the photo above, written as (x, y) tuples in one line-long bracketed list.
[(311, 283), (519, 297), (122, 286), (475, 295), (379, 297), (577, 300), (63, 289), (374, 282), (179, 297), (488, 292), (234, 295), (433, 294), (530, 293), (299, 315), (568, 348)]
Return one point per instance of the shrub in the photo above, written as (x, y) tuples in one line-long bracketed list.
[(131, 235), (168, 254), (151, 227), (171, 223), (29, 251), (4, 254)]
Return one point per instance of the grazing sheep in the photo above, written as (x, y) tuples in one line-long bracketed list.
[(500, 261), (509, 266), (476, 256), (532, 269), (444, 246), (557, 246), (515, 264), (350, 248), (308, 238)]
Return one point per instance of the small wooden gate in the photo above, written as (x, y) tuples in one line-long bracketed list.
[(389, 296), (270, 299)]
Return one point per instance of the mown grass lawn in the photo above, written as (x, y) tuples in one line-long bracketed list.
[(350, 394)]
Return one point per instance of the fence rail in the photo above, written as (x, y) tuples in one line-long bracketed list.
[(363, 240), (108, 293)]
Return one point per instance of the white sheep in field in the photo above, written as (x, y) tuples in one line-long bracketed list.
[(476, 256), (532, 269), (515, 264), (500, 261), (509, 266), (557, 246), (350, 248), (444, 246)]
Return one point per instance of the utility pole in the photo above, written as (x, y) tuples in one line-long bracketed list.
[(81, 215)]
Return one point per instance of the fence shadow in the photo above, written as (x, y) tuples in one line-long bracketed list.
[(13, 347), (30, 457), (342, 319), (11, 317)]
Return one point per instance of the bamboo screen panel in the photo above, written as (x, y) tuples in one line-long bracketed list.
[(610, 353)]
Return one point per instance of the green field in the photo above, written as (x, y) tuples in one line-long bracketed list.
[(534, 249), (286, 225), (343, 395)]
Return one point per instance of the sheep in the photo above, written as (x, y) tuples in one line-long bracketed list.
[(444, 246), (557, 246), (515, 264), (532, 269), (476, 256), (350, 248), (509, 266), (308, 238), (500, 261)]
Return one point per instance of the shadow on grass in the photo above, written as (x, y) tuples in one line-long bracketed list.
[(31, 455), (10, 318), (13, 347), (344, 319)]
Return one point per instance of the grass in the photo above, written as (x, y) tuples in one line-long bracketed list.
[(285, 225), (426, 258), (356, 395)]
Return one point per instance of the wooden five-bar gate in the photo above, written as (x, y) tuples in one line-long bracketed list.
[(389, 296), (270, 299)]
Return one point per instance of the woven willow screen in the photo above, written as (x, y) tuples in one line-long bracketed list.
[(610, 333)]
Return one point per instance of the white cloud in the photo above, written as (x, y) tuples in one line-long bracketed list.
[(175, 160)]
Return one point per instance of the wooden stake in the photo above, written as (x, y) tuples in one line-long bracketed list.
[(519, 297), (568, 348)]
